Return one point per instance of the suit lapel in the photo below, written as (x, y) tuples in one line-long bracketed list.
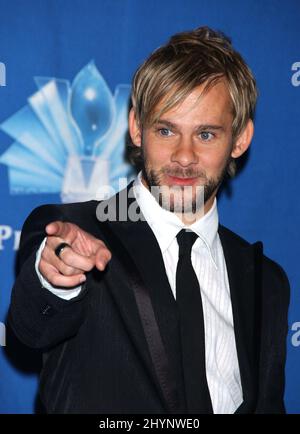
[(243, 268), (147, 304)]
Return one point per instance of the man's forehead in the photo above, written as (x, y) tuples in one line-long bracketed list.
[(214, 99)]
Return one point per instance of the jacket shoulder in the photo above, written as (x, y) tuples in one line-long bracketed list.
[(271, 269), (48, 211), (44, 214), (232, 237)]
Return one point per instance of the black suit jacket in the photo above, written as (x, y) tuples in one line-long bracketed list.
[(115, 348)]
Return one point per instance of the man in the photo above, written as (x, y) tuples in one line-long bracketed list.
[(163, 310)]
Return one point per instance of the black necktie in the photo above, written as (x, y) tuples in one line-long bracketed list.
[(189, 302)]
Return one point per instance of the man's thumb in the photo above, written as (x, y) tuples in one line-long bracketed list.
[(54, 228)]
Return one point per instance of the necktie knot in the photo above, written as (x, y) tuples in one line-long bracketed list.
[(186, 239)]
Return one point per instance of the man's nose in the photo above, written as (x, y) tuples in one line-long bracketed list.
[(185, 152)]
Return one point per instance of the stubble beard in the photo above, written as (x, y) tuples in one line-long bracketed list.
[(182, 199)]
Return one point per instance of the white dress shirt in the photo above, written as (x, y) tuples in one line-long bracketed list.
[(222, 369)]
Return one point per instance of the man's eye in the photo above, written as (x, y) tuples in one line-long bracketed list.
[(164, 132), (206, 136)]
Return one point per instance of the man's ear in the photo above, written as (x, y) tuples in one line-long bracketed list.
[(243, 141), (134, 129)]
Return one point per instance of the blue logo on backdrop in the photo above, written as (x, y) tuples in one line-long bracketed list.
[(70, 138)]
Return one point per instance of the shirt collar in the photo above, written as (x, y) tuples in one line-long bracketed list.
[(166, 224)]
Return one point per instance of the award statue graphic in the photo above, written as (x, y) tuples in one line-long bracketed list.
[(69, 139)]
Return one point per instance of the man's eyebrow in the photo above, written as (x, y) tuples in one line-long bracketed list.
[(165, 122), (210, 127)]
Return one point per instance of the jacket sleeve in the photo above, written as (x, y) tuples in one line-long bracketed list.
[(39, 318), (276, 296)]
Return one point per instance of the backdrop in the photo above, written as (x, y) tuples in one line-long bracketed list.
[(66, 64)]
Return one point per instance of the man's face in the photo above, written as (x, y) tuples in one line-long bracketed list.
[(189, 146)]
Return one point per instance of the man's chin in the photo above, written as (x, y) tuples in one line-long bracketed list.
[(178, 203)]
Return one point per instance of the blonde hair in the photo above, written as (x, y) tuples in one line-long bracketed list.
[(189, 59)]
